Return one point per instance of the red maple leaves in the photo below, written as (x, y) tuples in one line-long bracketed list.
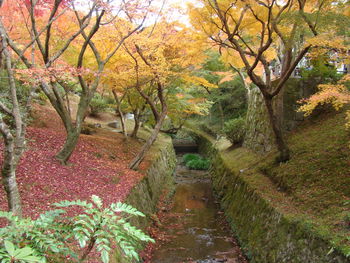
[(98, 166), (44, 5)]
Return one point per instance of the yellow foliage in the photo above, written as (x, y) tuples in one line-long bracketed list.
[(199, 81), (326, 40), (239, 28), (226, 77), (231, 57), (336, 95)]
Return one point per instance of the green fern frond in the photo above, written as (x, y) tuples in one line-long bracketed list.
[(121, 207)]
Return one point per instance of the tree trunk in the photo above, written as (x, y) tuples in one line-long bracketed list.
[(1, 57), (137, 125), (13, 142), (121, 114), (145, 148), (278, 102), (69, 145), (284, 153), (12, 192), (278, 106), (8, 174), (68, 105), (222, 117), (73, 130), (123, 122)]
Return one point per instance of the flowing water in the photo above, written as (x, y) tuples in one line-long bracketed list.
[(195, 227)]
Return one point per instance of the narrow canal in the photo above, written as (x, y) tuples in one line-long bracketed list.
[(195, 227)]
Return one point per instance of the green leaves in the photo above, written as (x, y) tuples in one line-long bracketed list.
[(120, 207), (97, 201), (52, 235), (105, 256), (14, 254), (234, 130), (10, 248), (83, 204), (196, 162), (9, 216)]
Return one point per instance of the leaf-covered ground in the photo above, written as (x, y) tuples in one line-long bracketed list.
[(98, 166)]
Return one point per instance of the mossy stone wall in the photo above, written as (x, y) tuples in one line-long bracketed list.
[(259, 135), (146, 194), (158, 180), (265, 234)]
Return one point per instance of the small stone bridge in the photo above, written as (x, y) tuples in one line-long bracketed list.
[(185, 146)]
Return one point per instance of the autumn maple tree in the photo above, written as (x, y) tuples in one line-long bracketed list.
[(261, 34), (33, 52), (62, 34), (13, 124), (161, 55), (335, 94)]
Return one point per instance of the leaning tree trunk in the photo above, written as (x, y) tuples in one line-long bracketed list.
[(145, 148), (136, 126), (69, 145), (123, 122), (121, 114), (259, 135), (73, 129), (284, 152), (278, 106), (8, 174)]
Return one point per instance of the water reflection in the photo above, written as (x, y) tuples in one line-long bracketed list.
[(195, 226)]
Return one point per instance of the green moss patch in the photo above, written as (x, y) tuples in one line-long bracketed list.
[(299, 205)]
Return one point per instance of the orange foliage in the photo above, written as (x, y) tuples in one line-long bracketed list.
[(337, 95)]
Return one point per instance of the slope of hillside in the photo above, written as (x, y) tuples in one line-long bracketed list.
[(314, 186), (98, 165), (317, 178)]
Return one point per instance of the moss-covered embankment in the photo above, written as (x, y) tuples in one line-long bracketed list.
[(158, 181), (270, 226)]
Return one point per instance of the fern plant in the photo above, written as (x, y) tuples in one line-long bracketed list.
[(56, 235), (10, 253)]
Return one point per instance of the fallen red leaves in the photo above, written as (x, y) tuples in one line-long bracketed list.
[(98, 166), (154, 230), (43, 180)]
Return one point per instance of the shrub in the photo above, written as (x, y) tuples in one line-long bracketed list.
[(54, 236), (41, 98), (109, 100), (195, 162), (211, 129), (189, 157), (5, 94), (10, 253), (200, 164), (97, 105), (235, 130)]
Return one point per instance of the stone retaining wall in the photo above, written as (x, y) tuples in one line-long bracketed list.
[(145, 195), (265, 234), (158, 180)]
